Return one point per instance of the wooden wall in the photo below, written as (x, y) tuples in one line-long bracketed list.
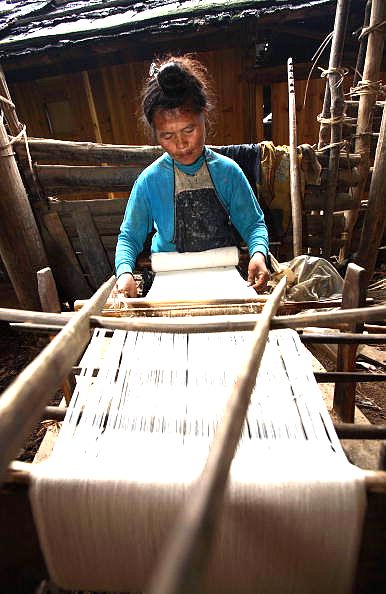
[(103, 104), (307, 125)]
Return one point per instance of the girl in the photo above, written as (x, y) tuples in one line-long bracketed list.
[(191, 195)]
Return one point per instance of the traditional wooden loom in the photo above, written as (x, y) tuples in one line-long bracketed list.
[(183, 564)]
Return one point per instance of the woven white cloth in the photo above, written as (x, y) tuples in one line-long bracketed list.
[(136, 438)]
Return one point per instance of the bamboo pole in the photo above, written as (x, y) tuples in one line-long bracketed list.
[(22, 403), (93, 113), (296, 197), (333, 319), (362, 46), (185, 557), (336, 118), (8, 107), (374, 223), (367, 99), (21, 247)]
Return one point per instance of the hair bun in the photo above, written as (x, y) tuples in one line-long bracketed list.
[(173, 80)]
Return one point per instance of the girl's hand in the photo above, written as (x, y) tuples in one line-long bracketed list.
[(125, 286), (258, 274)]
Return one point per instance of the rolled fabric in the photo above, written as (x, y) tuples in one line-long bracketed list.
[(167, 261)]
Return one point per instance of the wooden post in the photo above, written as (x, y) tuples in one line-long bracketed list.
[(374, 223), (367, 99), (93, 112), (50, 303), (8, 107), (336, 113), (354, 295), (21, 247), (362, 46), (296, 198)]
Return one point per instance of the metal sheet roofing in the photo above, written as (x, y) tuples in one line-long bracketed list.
[(32, 26)]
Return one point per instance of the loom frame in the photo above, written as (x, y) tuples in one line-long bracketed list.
[(18, 473)]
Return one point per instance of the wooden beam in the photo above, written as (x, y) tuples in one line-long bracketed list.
[(22, 403), (66, 151), (340, 318), (92, 247), (374, 223), (63, 259), (354, 295), (62, 179)]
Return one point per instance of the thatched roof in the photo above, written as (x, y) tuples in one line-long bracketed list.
[(32, 27)]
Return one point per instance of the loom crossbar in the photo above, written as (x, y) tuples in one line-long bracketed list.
[(333, 319)]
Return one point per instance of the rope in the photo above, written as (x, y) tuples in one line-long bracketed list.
[(6, 101), (22, 135), (342, 72), (344, 144), (367, 30), (331, 121), (368, 87)]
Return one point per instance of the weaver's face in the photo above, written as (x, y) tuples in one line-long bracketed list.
[(181, 133)]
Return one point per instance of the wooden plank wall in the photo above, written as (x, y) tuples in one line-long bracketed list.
[(103, 104), (308, 127), (116, 94)]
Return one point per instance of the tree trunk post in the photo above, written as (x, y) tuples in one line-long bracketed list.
[(21, 247)]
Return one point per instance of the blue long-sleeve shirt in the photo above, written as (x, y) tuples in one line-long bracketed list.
[(151, 205)]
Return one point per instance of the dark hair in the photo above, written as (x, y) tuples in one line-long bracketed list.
[(176, 82)]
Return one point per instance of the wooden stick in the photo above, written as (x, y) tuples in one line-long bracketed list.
[(336, 113), (50, 302), (374, 223), (342, 337), (185, 557), (20, 473), (371, 72), (22, 403), (353, 431), (143, 302), (295, 190), (347, 377), (332, 319)]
